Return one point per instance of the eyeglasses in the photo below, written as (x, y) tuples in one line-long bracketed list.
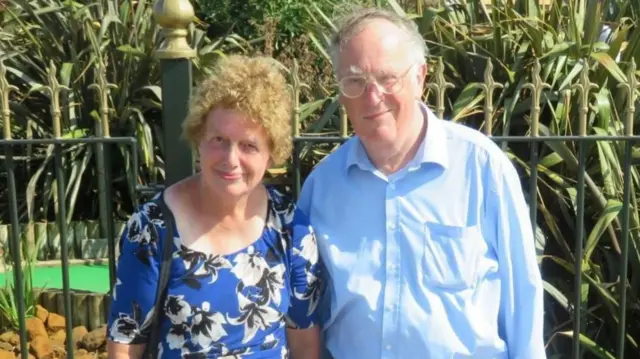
[(353, 86)]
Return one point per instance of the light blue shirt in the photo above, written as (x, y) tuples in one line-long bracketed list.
[(435, 261)]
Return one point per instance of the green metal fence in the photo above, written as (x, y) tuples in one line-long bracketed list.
[(175, 54), (57, 143)]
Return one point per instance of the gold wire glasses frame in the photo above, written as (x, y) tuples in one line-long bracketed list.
[(353, 86)]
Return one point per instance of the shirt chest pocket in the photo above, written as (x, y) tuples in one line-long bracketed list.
[(452, 255)]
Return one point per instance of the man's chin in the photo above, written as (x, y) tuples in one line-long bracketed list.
[(379, 136)]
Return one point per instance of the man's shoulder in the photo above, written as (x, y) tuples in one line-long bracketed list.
[(334, 162), (478, 142)]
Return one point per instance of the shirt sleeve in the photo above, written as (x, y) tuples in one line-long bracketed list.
[(521, 303), (136, 278), (305, 274), (304, 199)]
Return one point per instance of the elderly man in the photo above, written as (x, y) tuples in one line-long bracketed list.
[(421, 222)]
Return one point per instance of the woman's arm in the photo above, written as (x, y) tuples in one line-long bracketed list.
[(304, 343), (125, 351), (133, 294), (303, 319)]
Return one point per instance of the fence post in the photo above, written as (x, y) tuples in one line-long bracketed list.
[(175, 53)]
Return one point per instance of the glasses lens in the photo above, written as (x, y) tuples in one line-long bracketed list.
[(389, 83), (353, 86)]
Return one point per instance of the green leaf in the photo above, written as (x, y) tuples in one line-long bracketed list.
[(556, 294), (612, 67), (466, 101), (561, 49), (130, 50), (609, 213)]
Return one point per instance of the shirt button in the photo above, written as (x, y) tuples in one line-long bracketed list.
[(388, 346), (392, 186), (392, 225)]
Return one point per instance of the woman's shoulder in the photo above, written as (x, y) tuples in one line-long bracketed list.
[(150, 210), (285, 206)]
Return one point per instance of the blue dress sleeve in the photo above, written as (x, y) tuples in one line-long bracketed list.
[(305, 274), (137, 272)]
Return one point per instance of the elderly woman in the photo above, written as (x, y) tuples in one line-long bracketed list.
[(244, 277)]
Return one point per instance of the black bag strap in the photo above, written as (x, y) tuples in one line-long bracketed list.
[(151, 350)]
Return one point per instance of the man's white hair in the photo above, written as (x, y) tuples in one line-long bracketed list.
[(355, 21)]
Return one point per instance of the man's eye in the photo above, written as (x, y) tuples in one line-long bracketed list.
[(355, 81), (390, 80)]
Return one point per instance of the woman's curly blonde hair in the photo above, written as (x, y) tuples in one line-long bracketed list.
[(253, 86)]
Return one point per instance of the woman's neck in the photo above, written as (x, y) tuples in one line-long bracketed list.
[(226, 208)]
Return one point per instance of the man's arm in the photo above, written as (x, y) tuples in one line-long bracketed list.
[(304, 199), (521, 302)]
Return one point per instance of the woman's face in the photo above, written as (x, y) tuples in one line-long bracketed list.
[(234, 153)]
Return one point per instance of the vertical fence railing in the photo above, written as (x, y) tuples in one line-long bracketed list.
[(101, 88), (54, 88), (538, 91), (175, 53), (14, 244)]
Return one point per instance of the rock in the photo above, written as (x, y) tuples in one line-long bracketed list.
[(35, 328), (58, 337), (78, 333), (59, 351), (82, 354), (41, 347), (42, 313), (5, 354), (95, 339), (104, 355), (6, 346), (5, 337), (56, 322), (14, 339)]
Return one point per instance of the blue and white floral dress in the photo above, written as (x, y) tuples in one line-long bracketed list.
[(218, 306)]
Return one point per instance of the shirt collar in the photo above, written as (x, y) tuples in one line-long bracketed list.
[(433, 148)]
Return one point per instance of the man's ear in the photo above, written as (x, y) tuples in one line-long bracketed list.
[(419, 76)]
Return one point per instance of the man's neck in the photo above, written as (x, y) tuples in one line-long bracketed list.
[(390, 159)]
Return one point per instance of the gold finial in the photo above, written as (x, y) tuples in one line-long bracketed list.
[(440, 85), (5, 90), (536, 87), (53, 89), (174, 16), (584, 87), (295, 89), (488, 88), (102, 88), (630, 87)]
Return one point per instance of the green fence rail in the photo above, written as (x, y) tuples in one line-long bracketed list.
[(175, 55)]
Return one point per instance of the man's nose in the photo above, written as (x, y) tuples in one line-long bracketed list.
[(373, 92)]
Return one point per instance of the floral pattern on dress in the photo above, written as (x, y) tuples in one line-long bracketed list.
[(218, 306)]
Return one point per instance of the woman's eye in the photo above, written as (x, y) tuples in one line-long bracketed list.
[(250, 147)]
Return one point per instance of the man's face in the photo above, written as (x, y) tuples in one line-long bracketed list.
[(380, 52)]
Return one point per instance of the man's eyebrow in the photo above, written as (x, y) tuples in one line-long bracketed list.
[(354, 70)]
